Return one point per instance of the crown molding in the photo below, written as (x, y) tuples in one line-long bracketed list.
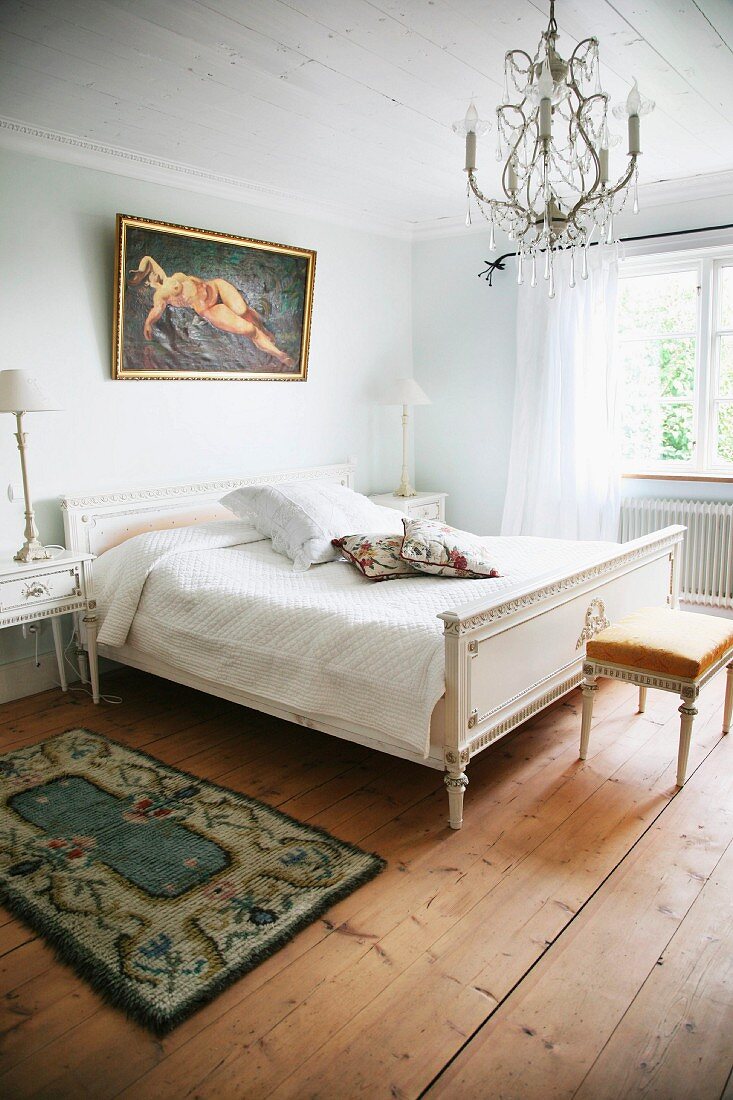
[(24, 138)]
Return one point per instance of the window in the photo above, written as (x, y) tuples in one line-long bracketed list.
[(674, 337)]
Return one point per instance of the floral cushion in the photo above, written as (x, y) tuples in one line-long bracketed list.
[(375, 556), (433, 547)]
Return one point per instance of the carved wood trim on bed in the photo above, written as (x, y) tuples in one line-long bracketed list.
[(99, 521), (505, 659)]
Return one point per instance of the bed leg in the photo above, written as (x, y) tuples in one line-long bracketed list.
[(456, 782)]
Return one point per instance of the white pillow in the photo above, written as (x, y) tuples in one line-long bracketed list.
[(302, 518)]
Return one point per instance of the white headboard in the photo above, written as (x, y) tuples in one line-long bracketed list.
[(98, 522)]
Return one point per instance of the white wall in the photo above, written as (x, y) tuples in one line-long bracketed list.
[(56, 279), (465, 349)]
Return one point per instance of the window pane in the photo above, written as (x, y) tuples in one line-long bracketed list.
[(725, 287), (725, 377), (657, 433), (658, 368), (677, 433), (725, 433), (658, 303), (640, 434)]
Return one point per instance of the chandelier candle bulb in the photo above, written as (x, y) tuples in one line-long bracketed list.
[(512, 185), (634, 146), (545, 119), (603, 158), (471, 151)]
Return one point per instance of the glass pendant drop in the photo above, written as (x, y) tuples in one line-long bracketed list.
[(635, 207), (572, 267), (533, 278)]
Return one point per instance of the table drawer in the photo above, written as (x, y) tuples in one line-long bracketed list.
[(42, 589), (426, 511)]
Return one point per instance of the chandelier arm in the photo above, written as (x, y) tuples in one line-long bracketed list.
[(608, 192), (585, 194), (512, 153), (583, 101), (575, 55), (521, 53), (480, 195), (531, 214)]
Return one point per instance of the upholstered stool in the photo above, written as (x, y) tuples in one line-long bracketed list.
[(672, 650)]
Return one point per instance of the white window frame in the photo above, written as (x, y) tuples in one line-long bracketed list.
[(706, 261)]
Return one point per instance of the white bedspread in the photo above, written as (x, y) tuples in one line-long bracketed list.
[(215, 600)]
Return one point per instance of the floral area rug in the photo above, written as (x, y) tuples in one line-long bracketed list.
[(159, 888)]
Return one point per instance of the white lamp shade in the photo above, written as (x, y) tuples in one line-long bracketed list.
[(405, 391), (21, 391)]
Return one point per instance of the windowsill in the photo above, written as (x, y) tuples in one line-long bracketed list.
[(724, 478)]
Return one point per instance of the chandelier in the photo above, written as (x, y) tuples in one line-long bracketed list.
[(553, 135)]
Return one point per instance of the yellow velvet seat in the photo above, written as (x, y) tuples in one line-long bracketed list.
[(657, 639), (661, 648)]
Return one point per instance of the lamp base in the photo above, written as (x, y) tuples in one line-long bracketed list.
[(32, 551), (405, 490)]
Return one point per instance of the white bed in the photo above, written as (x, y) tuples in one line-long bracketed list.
[(429, 669)]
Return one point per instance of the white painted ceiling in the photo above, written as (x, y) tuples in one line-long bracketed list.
[(348, 104)]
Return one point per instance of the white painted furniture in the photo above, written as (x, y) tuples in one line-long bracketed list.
[(639, 673), (506, 657), (421, 506), (62, 584)]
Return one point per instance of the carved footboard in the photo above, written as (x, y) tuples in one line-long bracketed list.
[(507, 660)]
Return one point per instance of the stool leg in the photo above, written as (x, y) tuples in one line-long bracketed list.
[(589, 687), (687, 717), (642, 699), (728, 707)]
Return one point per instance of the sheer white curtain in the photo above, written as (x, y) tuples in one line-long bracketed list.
[(563, 466)]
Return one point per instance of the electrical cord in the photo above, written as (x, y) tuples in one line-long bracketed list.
[(113, 700)]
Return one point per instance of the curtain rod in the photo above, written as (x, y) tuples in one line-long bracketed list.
[(499, 265)]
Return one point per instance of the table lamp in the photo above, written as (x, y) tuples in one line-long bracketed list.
[(405, 392), (21, 392)]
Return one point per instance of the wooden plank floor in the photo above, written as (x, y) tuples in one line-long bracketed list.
[(574, 939)]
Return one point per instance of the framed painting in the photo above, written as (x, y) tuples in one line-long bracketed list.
[(190, 303)]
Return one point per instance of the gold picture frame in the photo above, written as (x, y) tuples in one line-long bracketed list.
[(195, 304)]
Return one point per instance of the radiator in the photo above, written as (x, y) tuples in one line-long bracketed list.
[(706, 570)]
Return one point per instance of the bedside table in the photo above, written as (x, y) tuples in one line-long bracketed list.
[(47, 589), (421, 506)]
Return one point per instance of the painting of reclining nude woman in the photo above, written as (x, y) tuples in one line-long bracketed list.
[(196, 304)]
